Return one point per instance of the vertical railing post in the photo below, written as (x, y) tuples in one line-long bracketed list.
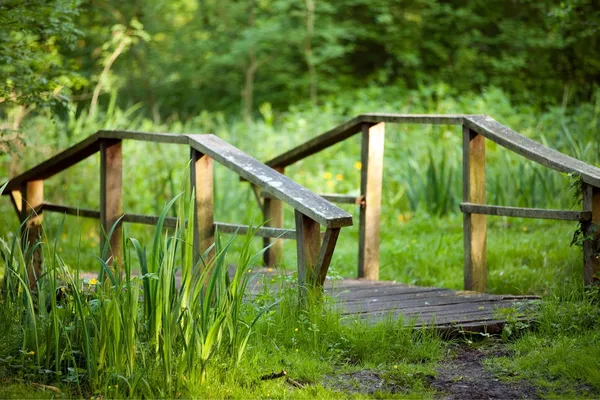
[(370, 209), (308, 244), (474, 225), (111, 198), (591, 232), (32, 197), (273, 214), (201, 175)]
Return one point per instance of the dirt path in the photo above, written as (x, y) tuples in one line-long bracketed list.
[(463, 376), (460, 376)]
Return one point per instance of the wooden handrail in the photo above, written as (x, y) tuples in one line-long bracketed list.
[(475, 129), (352, 127), (531, 149), (271, 181), (26, 191)]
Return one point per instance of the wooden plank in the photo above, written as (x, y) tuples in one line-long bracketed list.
[(326, 254), (338, 198), (17, 201), (423, 304), (317, 144), (170, 138), (371, 181), (265, 232), (56, 164), (352, 127), (431, 119), (308, 245), (531, 149), (32, 197), (474, 225), (271, 181), (468, 309), (416, 294), (591, 230), (519, 212), (80, 212), (359, 294), (273, 215), (201, 175), (111, 198), (169, 222)]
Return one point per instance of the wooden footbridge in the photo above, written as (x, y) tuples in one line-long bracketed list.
[(365, 297)]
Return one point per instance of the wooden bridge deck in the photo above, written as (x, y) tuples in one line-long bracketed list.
[(445, 310), (426, 307)]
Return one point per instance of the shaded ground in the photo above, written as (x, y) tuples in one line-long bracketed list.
[(464, 377), (461, 376)]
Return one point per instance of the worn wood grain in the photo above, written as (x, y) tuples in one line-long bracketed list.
[(326, 254), (31, 200), (531, 149), (265, 232), (308, 245), (474, 225), (167, 138), (58, 163), (111, 198), (371, 182), (273, 215), (520, 212), (352, 127), (591, 229), (271, 181), (339, 198), (201, 176)]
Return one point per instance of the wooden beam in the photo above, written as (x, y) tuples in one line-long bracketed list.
[(32, 197), (519, 212), (531, 149), (352, 127), (111, 197), (273, 215), (591, 231), (308, 245), (264, 232), (56, 164), (326, 254), (336, 198), (371, 181), (474, 225), (271, 181), (201, 176)]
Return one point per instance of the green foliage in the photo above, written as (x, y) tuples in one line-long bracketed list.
[(33, 41)]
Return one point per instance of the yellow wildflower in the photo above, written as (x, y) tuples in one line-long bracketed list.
[(358, 165), (249, 270), (31, 353), (524, 229), (339, 177), (328, 175), (93, 282), (270, 270), (330, 184), (395, 366), (296, 330)]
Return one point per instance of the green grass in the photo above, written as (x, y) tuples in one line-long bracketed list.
[(104, 341)]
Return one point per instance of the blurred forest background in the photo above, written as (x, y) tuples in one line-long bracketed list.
[(269, 74)]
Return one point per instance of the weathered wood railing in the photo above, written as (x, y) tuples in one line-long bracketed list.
[(312, 211), (476, 128)]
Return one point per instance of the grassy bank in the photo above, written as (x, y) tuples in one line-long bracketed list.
[(101, 339)]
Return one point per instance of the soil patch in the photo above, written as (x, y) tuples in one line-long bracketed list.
[(464, 377)]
